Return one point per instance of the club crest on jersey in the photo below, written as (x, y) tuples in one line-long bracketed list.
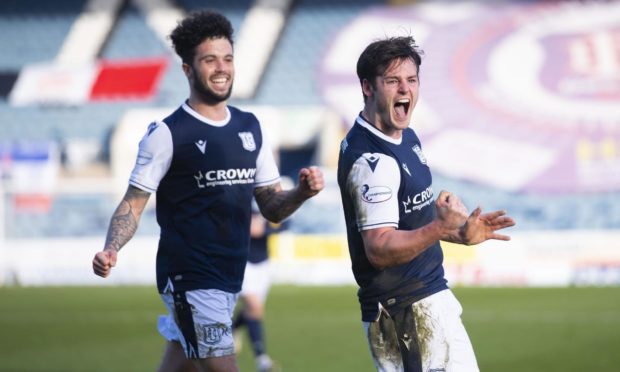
[(247, 139), (418, 151), (375, 194), (202, 145)]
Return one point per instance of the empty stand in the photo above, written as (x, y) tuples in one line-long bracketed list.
[(34, 31), (292, 73)]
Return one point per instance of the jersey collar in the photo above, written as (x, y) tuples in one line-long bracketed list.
[(215, 123), (361, 121)]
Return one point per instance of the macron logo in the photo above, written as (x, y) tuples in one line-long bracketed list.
[(406, 169), (202, 145)]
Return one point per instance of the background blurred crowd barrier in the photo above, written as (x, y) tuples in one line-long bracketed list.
[(536, 258)]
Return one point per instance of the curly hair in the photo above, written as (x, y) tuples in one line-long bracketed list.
[(196, 28), (378, 55)]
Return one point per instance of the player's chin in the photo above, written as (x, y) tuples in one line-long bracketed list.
[(400, 123)]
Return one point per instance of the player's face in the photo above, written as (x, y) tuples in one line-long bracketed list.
[(394, 96), (212, 73)]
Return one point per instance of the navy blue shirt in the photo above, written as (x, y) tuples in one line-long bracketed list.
[(387, 183), (204, 195)]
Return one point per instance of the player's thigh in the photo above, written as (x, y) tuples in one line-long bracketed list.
[(253, 306), (202, 322), (462, 355), (383, 344), (443, 340), (174, 359), (442, 343), (226, 363)]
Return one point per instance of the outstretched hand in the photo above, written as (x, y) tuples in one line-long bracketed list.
[(483, 226), (310, 181)]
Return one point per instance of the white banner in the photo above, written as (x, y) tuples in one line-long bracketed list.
[(53, 84)]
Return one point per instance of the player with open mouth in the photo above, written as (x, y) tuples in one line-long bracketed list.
[(411, 318)]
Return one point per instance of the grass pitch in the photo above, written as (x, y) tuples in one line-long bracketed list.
[(308, 329)]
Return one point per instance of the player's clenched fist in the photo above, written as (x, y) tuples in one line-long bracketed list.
[(103, 262), (450, 210), (311, 181)]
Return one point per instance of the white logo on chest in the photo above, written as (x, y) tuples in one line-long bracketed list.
[(247, 140), (418, 201), (418, 151)]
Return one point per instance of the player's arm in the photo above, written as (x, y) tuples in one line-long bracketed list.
[(386, 246), (123, 226), (277, 204)]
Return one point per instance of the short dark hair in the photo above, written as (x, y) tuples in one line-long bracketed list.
[(378, 55), (196, 28)]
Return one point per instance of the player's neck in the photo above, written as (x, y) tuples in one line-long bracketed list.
[(374, 119), (214, 111)]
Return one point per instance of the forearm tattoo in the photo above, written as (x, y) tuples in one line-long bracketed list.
[(277, 204), (124, 222)]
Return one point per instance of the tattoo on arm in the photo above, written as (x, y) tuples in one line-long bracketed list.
[(124, 222), (277, 204)]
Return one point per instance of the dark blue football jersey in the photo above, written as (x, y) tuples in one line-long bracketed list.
[(386, 182), (204, 173)]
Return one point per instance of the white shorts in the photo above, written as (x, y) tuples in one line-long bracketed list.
[(433, 338), (257, 280), (201, 320)]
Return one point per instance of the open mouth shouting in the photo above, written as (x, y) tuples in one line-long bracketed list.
[(401, 109)]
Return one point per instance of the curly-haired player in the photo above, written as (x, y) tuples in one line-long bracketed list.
[(205, 162)]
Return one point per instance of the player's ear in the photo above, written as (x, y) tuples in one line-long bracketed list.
[(367, 88), (187, 69)]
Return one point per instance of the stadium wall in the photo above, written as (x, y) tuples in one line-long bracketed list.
[(542, 258)]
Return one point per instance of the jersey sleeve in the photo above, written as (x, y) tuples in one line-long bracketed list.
[(154, 158), (267, 172), (373, 184)]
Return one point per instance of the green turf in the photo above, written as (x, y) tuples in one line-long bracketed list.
[(308, 329)]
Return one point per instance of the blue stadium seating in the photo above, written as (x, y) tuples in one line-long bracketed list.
[(133, 38), (291, 75), (71, 215), (33, 30)]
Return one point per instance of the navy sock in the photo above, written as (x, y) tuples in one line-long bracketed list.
[(255, 329)]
